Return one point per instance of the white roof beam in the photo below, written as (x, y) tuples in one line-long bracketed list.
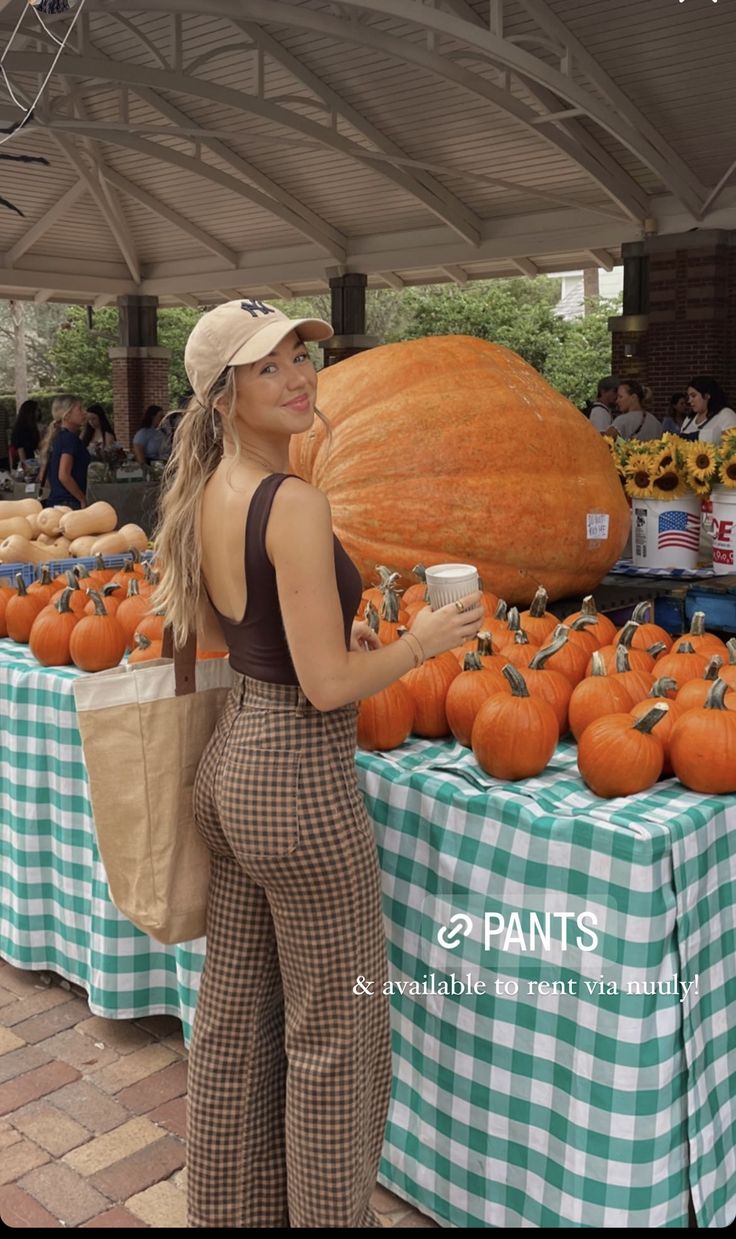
[(393, 280), (423, 186), (246, 168), (99, 303), (46, 222), (603, 259), (526, 267), (186, 299), (281, 290), (106, 205), (83, 286), (43, 295), (164, 211), (456, 274)]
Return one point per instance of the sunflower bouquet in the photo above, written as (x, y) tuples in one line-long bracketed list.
[(712, 464), (654, 469)]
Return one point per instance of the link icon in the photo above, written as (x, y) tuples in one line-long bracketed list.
[(462, 925)]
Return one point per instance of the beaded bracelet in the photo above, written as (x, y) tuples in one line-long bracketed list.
[(418, 659)]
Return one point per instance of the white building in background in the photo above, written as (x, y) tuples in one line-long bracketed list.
[(571, 302)]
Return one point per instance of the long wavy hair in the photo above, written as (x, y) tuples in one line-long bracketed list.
[(197, 451)]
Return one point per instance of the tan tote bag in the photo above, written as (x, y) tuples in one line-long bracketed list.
[(144, 728)]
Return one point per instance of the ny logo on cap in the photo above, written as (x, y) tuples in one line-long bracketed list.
[(255, 308)]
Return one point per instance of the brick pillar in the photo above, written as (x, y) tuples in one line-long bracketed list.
[(348, 318), (140, 369), (685, 320)]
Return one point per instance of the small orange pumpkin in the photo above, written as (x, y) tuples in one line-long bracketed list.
[(604, 628), (728, 671), (537, 621), (703, 746), (98, 641), (110, 599), (514, 735), (428, 685), (144, 650), (598, 694), (468, 691), (131, 611), (51, 632), (639, 660), (385, 719), (44, 586), (620, 756), (683, 664), (21, 610), (544, 680), (659, 694), (701, 641), (648, 633)]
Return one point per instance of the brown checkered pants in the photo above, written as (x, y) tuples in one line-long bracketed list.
[(289, 1070)]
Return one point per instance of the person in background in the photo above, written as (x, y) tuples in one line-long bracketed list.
[(634, 421), (98, 434), (170, 423), (67, 459), (26, 436), (679, 410), (148, 441), (710, 413), (603, 409)]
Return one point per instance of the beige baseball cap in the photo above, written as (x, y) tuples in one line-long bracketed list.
[(238, 332)]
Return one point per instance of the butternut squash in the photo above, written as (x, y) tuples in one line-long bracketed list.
[(18, 507), (110, 544), (81, 547), (49, 521), (17, 550), (97, 519), (136, 539), (18, 525), (32, 519), (45, 539), (62, 548)]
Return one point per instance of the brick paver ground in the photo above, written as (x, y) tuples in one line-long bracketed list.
[(93, 1114)]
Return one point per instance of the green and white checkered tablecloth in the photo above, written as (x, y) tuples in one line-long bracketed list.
[(508, 1109)]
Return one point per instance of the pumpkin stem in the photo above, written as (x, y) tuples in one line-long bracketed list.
[(501, 612), (716, 693), (539, 602), (99, 604), (559, 639), (651, 718), (513, 620), (371, 616), (45, 576), (420, 571), (731, 647), (516, 680), (622, 659), (471, 662), (627, 634), (642, 612), (72, 580), (22, 591), (62, 603), (599, 667), (133, 590), (109, 589), (697, 624), (656, 649), (485, 643), (142, 641), (390, 604), (520, 637), (661, 687), (589, 607), (685, 648), (582, 622), (714, 664), (135, 555), (79, 570), (100, 564)]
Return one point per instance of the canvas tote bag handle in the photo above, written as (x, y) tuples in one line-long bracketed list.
[(185, 660)]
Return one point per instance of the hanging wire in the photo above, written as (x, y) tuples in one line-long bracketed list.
[(29, 110)]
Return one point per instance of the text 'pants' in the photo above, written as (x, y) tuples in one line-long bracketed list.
[(289, 1070)]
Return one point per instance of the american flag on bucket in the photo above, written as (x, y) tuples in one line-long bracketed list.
[(678, 529)]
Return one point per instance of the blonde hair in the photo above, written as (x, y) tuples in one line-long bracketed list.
[(60, 406), (197, 451)]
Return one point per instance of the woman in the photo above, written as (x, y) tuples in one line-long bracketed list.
[(710, 413), (148, 440), (98, 434), (672, 423), (26, 436), (67, 459), (634, 422), (294, 917)]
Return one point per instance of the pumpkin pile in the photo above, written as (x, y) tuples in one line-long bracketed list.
[(31, 534), (639, 704)]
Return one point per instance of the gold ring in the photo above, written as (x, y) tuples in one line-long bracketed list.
[(458, 605)]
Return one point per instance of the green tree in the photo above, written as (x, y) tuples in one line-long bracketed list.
[(583, 354)]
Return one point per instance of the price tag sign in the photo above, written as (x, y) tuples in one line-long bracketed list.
[(30, 488), (597, 526)]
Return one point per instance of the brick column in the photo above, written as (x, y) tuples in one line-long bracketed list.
[(140, 369), (348, 318), (140, 376), (685, 320)]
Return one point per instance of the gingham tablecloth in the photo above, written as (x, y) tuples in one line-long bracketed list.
[(509, 1108)]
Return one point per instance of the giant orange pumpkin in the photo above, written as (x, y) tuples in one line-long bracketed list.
[(451, 448)]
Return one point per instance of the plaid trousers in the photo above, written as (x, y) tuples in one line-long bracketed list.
[(289, 1069)]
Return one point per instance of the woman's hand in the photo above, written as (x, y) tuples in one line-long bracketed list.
[(362, 637), (449, 626)]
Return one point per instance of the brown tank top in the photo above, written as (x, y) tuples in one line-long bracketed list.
[(258, 646)]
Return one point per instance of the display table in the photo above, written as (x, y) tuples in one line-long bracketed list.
[(508, 1109), (135, 503)]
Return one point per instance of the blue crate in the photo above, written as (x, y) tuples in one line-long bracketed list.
[(669, 614), (30, 572), (719, 607)]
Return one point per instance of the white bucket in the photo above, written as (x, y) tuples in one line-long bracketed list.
[(724, 529), (665, 533)]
